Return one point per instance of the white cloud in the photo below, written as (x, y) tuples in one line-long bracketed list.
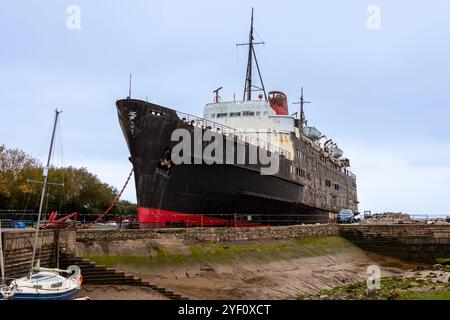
[(113, 173), (388, 181)]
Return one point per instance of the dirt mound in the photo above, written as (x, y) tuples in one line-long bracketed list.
[(389, 218)]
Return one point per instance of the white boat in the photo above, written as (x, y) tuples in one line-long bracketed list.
[(43, 283)]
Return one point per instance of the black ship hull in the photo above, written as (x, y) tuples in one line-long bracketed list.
[(201, 194)]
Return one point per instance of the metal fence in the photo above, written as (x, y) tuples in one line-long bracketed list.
[(175, 220)]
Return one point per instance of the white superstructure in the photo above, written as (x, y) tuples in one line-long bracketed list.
[(255, 118)]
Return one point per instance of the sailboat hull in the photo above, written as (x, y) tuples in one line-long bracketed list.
[(66, 295)]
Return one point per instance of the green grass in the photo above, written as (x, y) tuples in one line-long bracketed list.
[(443, 295), (442, 260)]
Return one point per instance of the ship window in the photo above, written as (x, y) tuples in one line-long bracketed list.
[(258, 113), (248, 113), (222, 115), (328, 183), (235, 114), (213, 115)]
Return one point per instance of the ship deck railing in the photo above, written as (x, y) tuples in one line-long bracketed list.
[(229, 131), (349, 173)]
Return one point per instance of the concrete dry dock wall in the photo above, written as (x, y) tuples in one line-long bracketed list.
[(143, 242), (407, 242), (17, 250), (211, 234)]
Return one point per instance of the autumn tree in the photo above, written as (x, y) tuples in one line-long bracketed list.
[(70, 189)]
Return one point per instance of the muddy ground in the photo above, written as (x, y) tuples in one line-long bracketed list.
[(419, 284), (284, 269), (113, 292)]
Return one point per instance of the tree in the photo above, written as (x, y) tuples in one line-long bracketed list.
[(70, 189), (15, 167)]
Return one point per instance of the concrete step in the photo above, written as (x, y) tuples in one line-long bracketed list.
[(101, 274)]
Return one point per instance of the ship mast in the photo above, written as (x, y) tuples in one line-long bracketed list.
[(248, 81), (44, 188), (302, 112), (251, 54)]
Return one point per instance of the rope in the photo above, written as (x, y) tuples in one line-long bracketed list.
[(114, 202)]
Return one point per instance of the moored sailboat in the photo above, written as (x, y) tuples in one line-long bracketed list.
[(44, 283)]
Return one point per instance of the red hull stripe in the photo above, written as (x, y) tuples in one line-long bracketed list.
[(160, 218)]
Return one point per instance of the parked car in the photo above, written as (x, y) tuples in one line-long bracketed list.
[(125, 224), (106, 225), (8, 223), (18, 225), (358, 217), (345, 216)]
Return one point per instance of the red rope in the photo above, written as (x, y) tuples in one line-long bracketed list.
[(114, 202)]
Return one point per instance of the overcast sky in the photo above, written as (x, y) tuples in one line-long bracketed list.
[(382, 94)]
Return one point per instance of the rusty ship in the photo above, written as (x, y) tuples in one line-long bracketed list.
[(312, 182)]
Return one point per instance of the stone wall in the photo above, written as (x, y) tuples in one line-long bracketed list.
[(407, 242), (143, 242), (211, 234), (17, 250)]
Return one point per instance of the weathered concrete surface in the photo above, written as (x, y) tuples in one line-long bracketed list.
[(17, 244), (145, 242), (17, 250), (257, 269), (407, 242)]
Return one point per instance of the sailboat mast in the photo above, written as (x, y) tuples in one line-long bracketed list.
[(2, 262), (248, 85), (44, 188)]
